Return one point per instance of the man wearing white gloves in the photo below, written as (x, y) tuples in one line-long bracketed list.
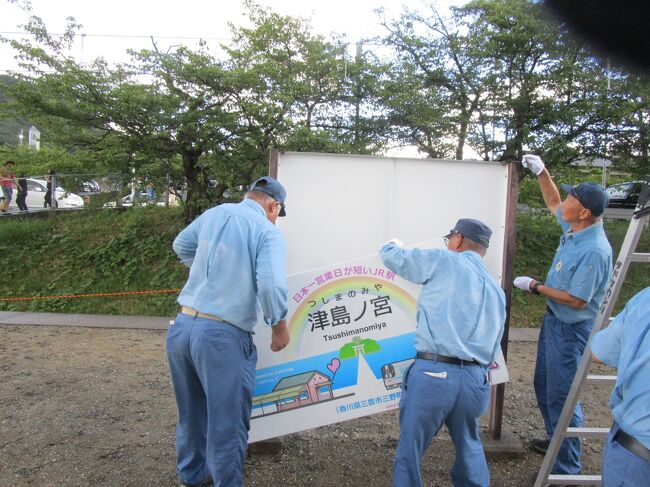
[(574, 290)]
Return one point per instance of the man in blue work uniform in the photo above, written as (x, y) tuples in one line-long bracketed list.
[(625, 344), (460, 319), (236, 256), (574, 290)]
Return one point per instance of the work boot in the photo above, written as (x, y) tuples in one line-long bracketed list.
[(539, 445)]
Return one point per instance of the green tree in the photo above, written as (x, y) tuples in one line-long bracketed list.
[(305, 95), (434, 88), (544, 87), (500, 75), (190, 113), (627, 138)]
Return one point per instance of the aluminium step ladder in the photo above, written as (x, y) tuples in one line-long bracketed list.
[(562, 430)]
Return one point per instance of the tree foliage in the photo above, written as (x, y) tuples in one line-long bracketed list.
[(505, 78), (191, 112), (497, 76)]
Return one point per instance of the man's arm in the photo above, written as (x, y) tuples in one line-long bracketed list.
[(271, 279), (560, 296), (186, 242), (526, 283), (272, 288), (550, 192), (413, 264)]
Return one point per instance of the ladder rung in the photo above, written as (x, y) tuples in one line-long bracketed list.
[(587, 432), (557, 479), (601, 379), (637, 257)]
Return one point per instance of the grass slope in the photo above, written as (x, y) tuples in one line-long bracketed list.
[(111, 251)]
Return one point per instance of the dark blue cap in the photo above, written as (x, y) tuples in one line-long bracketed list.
[(474, 230), (590, 195), (273, 188)]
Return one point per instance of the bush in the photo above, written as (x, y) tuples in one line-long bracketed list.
[(94, 252)]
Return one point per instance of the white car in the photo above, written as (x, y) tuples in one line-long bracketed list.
[(36, 189), (137, 199)]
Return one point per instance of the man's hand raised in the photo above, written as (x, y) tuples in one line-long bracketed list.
[(533, 163)]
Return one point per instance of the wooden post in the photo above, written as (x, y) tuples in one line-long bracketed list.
[(497, 393), (273, 163)]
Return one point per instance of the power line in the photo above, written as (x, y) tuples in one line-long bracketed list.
[(147, 36), (130, 36)]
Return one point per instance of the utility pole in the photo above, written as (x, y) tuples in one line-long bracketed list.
[(357, 91)]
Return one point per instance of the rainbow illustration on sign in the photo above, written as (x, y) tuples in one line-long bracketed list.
[(299, 319)]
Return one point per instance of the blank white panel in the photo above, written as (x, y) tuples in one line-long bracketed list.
[(337, 208), (343, 207), (431, 195)]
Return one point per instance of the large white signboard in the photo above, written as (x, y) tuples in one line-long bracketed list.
[(351, 320), (351, 331)]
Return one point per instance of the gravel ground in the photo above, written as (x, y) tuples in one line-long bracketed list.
[(94, 407)]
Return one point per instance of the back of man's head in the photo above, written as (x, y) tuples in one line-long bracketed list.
[(272, 188)]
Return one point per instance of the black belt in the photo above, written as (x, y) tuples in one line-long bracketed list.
[(443, 358), (631, 444)]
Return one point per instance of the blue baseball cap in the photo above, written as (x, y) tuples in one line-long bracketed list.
[(590, 195), (472, 229), (273, 188)]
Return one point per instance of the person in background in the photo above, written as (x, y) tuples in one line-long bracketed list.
[(47, 202), (21, 193), (460, 320), (625, 344), (574, 290), (151, 193), (7, 181)]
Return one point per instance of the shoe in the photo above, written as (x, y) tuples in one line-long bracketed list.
[(539, 445), (206, 483)]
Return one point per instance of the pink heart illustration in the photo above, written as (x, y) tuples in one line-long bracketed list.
[(334, 365)]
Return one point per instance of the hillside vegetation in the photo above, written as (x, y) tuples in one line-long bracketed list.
[(112, 251)]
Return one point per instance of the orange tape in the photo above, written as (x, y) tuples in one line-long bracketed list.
[(93, 295)]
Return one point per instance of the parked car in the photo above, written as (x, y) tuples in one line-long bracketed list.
[(624, 195), (90, 186), (136, 199), (36, 189)]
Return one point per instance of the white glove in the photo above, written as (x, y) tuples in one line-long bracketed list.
[(396, 242), (523, 283), (534, 163)]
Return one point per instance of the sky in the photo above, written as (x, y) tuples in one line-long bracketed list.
[(111, 28)]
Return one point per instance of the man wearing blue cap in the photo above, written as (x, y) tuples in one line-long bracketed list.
[(625, 344), (236, 257), (574, 290), (460, 319)]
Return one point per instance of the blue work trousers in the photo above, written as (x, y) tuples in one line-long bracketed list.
[(621, 467), (434, 393), (559, 350), (212, 367)]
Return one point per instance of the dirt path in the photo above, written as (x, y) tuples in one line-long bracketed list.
[(90, 407)]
